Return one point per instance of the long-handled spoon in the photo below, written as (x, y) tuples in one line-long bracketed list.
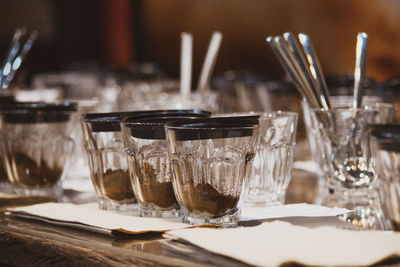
[(18, 60), (12, 52), (315, 69), (302, 64), (359, 70)]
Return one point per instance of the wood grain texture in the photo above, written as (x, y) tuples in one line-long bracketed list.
[(26, 250)]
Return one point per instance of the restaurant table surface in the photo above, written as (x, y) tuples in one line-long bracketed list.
[(26, 242)]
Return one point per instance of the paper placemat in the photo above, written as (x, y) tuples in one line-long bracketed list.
[(275, 243), (289, 210), (89, 217), (65, 213)]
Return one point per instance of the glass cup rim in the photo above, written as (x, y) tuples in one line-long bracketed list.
[(262, 114), (364, 108)]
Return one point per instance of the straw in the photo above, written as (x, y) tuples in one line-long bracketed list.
[(186, 63), (209, 61)]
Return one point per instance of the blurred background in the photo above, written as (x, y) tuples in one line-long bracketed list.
[(116, 34)]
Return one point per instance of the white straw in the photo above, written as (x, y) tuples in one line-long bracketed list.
[(186, 63), (209, 61)]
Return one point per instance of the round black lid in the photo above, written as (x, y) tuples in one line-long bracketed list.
[(40, 106), (132, 116), (34, 116), (153, 127), (110, 122), (212, 128)]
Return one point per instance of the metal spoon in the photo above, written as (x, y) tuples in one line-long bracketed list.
[(302, 65), (18, 60), (355, 167), (12, 52), (359, 71), (281, 53), (315, 69)]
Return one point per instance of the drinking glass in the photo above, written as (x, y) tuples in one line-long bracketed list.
[(325, 193), (211, 162), (36, 148), (107, 161), (344, 143), (274, 159), (386, 155), (144, 140)]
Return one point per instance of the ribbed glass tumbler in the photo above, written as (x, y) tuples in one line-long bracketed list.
[(211, 161)]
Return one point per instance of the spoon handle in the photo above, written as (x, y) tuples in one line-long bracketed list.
[(301, 64), (315, 69), (359, 71), (288, 67)]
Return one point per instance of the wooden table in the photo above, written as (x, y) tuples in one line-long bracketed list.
[(32, 243)]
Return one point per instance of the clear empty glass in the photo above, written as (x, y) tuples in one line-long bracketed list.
[(386, 154), (344, 143), (36, 149), (274, 158), (211, 162)]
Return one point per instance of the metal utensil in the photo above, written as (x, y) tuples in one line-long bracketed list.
[(355, 166), (12, 52), (19, 59), (288, 67), (315, 69), (286, 64), (302, 64), (359, 71), (311, 96)]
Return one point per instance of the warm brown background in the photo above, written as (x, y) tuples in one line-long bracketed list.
[(118, 32)]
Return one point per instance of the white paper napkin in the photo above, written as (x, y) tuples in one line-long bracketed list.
[(62, 213), (309, 165), (275, 243), (290, 210)]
